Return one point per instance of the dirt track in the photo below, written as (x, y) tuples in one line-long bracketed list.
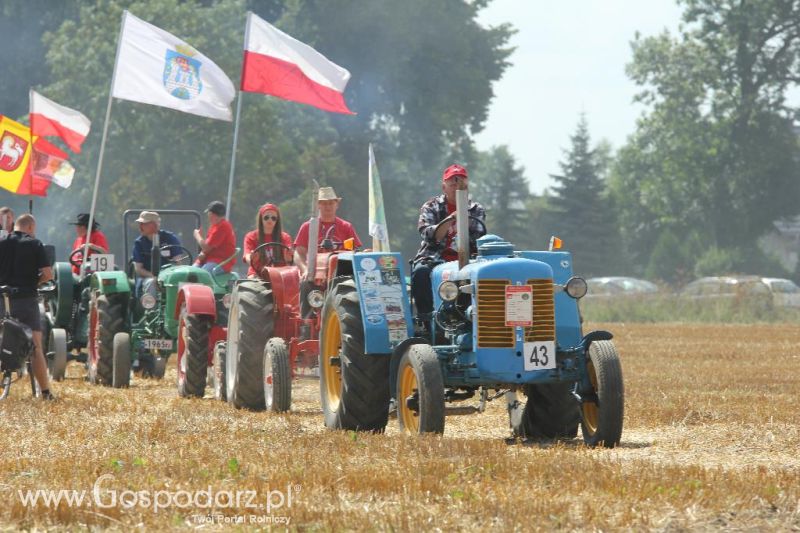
[(711, 440)]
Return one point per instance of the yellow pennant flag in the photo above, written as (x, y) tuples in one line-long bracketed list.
[(15, 151)]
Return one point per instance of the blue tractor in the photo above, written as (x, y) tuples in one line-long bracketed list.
[(506, 324)]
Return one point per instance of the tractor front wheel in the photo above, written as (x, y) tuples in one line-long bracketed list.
[(57, 353), (122, 360), (277, 376), (354, 387), (420, 391), (106, 319), (604, 407), (551, 412), (250, 324), (192, 362)]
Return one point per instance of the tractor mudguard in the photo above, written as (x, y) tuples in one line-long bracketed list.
[(110, 282), (199, 300), (65, 293), (397, 354), (598, 335)]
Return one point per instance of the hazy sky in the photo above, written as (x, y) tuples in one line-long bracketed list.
[(570, 57)]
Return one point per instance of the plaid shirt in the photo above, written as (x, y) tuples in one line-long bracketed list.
[(434, 211)]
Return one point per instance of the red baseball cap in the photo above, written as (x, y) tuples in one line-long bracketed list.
[(453, 171)]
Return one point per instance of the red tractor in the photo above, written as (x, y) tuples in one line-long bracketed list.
[(273, 330)]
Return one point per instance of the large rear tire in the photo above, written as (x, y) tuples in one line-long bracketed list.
[(192, 362), (354, 387), (218, 372), (57, 354), (106, 319), (277, 376), (122, 360), (604, 409), (250, 324), (551, 412), (420, 391)]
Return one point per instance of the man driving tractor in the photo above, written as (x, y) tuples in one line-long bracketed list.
[(220, 241), (170, 245)]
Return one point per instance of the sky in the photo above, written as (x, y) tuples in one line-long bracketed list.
[(570, 58)]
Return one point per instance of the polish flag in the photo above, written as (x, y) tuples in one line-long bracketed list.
[(49, 118), (280, 65)]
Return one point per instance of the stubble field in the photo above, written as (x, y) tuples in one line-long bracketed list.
[(711, 441)]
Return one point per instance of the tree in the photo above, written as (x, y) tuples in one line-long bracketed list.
[(716, 153), (581, 211)]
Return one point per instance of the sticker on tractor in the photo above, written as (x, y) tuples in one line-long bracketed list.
[(398, 335), (368, 263), (370, 278), (519, 305), (391, 277), (374, 319), (387, 261), (157, 344), (101, 262), (540, 355)]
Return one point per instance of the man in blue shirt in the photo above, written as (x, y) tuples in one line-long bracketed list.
[(149, 225)]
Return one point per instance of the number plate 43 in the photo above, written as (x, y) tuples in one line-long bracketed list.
[(540, 355)]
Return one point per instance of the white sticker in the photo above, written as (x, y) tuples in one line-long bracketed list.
[(101, 262), (540, 355), (368, 263), (157, 344), (397, 335), (519, 305)]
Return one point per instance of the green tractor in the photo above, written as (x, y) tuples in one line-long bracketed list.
[(130, 329)]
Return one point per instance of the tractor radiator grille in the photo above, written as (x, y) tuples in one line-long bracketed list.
[(544, 322), (492, 329)]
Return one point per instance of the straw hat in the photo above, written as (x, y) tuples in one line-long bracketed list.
[(327, 193)]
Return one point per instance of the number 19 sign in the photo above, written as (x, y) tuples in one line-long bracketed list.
[(101, 262)]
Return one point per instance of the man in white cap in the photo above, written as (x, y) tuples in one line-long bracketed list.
[(149, 225), (330, 227)]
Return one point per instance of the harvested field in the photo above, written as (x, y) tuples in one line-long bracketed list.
[(711, 441)]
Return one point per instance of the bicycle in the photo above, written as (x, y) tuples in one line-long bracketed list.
[(16, 346)]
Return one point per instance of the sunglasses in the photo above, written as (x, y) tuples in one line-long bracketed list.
[(270, 217)]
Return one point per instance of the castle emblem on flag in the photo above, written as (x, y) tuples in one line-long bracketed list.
[(182, 73), (12, 150)]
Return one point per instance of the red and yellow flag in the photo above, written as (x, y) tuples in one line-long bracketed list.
[(15, 155)]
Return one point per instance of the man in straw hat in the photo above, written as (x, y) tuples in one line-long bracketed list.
[(330, 227)]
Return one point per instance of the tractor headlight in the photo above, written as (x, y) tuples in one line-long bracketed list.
[(576, 287), (448, 291), (148, 301), (226, 300), (315, 299)]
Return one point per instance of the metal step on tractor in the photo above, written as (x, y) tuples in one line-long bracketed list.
[(506, 323), (273, 328), (132, 329)]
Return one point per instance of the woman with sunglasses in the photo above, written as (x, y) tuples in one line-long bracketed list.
[(268, 229)]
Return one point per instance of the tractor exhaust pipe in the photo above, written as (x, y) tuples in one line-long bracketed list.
[(462, 227)]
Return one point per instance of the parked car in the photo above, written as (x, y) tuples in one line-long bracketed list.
[(785, 292), (619, 286), (725, 287)]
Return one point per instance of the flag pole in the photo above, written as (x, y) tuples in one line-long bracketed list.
[(236, 123), (85, 262)]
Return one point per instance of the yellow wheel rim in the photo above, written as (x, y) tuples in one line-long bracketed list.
[(331, 346), (591, 413), (408, 387)]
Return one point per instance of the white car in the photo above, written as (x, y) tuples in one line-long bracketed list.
[(785, 292), (620, 286)]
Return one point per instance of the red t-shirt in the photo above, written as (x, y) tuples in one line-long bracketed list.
[(450, 253), (97, 238), (251, 243), (222, 243), (342, 230)]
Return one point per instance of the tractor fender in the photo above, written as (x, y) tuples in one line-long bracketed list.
[(598, 335), (199, 300), (397, 354), (110, 282)]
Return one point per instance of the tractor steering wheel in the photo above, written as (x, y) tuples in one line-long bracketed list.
[(73, 260), (262, 246), (471, 217), (178, 259)]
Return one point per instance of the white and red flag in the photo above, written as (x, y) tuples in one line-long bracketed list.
[(51, 119), (280, 65)]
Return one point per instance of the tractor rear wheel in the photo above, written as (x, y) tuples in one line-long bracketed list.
[(604, 408), (106, 319), (551, 412), (122, 360), (420, 391), (57, 353), (277, 376), (192, 362), (354, 387), (250, 324), (218, 371)]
